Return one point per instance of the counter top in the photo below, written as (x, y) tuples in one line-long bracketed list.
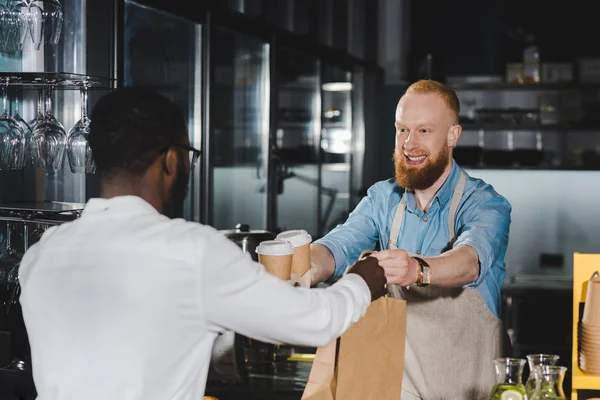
[(538, 282), (290, 377), (286, 383), (508, 287)]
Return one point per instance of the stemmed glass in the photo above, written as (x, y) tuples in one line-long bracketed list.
[(78, 146), (50, 138), (30, 155), (10, 27), (10, 257), (36, 152), (13, 275), (12, 138), (41, 20)]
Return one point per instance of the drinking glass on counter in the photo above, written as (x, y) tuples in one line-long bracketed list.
[(509, 384), (550, 382), (534, 361)]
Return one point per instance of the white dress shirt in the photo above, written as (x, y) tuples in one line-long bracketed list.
[(125, 304)]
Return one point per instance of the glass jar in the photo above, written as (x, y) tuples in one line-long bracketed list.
[(550, 382), (535, 360), (509, 383)]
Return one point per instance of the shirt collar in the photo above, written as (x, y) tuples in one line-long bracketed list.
[(443, 195), (130, 204)]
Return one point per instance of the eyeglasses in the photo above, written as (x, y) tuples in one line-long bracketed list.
[(194, 153)]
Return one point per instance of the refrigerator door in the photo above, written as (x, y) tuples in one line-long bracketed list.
[(298, 128), (336, 146), (162, 52), (239, 129)]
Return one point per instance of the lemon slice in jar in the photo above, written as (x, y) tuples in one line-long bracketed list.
[(511, 395)]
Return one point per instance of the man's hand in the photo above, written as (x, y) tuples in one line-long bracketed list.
[(373, 275), (400, 268)]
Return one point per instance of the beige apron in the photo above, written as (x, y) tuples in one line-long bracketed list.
[(452, 336)]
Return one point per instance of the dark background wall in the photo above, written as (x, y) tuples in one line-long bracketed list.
[(481, 36)]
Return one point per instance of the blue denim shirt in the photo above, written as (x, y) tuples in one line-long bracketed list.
[(482, 222)]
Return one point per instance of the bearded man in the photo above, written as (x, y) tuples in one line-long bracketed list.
[(442, 237)]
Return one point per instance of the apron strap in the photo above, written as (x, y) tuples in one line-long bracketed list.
[(454, 203), (397, 223), (456, 196)]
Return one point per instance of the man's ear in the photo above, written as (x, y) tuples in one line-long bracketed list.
[(170, 163), (454, 135)]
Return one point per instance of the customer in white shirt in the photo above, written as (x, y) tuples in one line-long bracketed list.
[(125, 302)]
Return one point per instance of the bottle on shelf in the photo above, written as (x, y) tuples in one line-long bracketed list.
[(531, 60)]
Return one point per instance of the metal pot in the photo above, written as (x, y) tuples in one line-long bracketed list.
[(247, 239)]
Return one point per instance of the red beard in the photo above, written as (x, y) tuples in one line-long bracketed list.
[(421, 178)]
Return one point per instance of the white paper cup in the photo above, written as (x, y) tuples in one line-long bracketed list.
[(276, 256), (301, 240)]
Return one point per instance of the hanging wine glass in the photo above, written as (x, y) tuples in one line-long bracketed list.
[(12, 139), (36, 152), (49, 113), (30, 153), (42, 19), (78, 147), (10, 257), (10, 27), (50, 138)]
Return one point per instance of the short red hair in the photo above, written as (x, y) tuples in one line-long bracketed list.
[(446, 93)]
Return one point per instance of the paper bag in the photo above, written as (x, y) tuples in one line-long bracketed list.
[(367, 362)]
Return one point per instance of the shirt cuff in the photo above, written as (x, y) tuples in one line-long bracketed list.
[(483, 250), (338, 256), (360, 293)]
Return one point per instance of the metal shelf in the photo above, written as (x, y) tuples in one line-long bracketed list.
[(560, 86), (544, 128), (58, 80), (43, 212)]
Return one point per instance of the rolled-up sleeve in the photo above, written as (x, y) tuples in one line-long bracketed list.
[(358, 233), (484, 226)]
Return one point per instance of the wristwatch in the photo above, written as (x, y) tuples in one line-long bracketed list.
[(424, 273)]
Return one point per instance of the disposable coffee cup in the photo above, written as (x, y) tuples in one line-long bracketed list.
[(591, 309), (276, 256), (300, 240)]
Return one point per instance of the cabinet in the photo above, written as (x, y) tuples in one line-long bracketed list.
[(529, 126), (538, 318)]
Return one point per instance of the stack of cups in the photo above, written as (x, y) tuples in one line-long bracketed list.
[(589, 356), (276, 256), (300, 240)]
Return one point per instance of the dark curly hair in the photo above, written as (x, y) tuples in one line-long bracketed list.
[(130, 128)]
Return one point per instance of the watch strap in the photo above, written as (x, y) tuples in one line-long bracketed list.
[(424, 273)]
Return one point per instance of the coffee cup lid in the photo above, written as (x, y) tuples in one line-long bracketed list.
[(275, 248), (297, 237)]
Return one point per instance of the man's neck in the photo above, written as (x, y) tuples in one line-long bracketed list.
[(425, 197), (113, 188)]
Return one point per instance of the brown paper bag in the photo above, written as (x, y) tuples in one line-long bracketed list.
[(367, 362)]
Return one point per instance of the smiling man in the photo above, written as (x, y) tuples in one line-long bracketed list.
[(442, 236)]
